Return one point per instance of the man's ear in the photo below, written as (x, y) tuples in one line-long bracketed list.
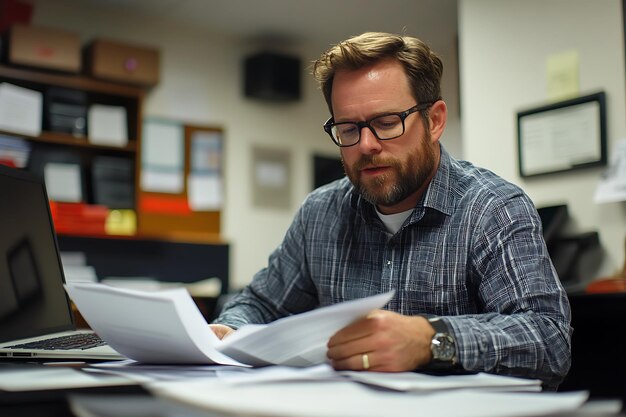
[(437, 117)]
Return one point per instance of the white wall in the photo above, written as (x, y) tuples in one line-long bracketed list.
[(504, 46), (202, 83)]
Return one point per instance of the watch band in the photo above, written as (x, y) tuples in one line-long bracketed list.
[(439, 325)]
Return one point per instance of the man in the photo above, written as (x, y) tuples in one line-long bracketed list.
[(462, 248)]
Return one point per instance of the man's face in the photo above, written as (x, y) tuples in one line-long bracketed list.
[(391, 174)]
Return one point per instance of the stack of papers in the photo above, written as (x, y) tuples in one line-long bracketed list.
[(346, 399), (167, 327)]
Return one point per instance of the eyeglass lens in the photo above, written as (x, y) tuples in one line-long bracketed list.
[(384, 127)]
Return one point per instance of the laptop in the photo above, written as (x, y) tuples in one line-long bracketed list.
[(36, 319)]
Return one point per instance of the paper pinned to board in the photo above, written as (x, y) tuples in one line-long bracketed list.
[(612, 186), (167, 327)]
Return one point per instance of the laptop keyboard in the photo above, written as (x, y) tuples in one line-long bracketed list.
[(75, 341)]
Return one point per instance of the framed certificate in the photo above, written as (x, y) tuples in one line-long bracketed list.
[(562, 136)]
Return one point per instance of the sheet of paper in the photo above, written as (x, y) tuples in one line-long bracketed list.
[(53, 377), (562, 75), (347, 399), (167, 327), (162, 144), (63, 182), (162, 157), (612, 186), (107, 125), (20, 109), (204, 192), (298, 340), (413, 381), (151, 327), (163, 180), (278, 373)]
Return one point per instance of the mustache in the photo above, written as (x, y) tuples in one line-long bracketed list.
[(369, 160)]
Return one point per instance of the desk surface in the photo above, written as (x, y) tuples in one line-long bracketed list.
[(134, 401)]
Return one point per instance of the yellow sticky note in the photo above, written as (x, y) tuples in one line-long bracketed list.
[(562, 75), (121, 222)]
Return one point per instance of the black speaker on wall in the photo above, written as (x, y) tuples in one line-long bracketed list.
[(271, 76)]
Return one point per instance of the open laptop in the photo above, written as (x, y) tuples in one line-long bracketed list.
[(36, 319)]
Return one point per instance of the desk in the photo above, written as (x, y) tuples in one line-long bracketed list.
[(114, 401), (598, 345)]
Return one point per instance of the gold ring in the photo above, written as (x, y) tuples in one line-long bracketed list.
[(366, 361)]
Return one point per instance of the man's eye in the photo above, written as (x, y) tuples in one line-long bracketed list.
[(346, 130), (386, 122)]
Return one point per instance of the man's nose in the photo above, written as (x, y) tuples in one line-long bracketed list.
[(369, 143)]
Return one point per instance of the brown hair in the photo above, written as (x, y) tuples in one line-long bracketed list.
[(422, 66)]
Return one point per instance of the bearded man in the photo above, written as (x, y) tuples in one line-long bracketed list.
[(475, 289)]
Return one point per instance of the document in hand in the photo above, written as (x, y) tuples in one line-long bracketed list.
[(167, 327)]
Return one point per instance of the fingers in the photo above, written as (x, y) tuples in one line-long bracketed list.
[(220, 330), (357, 330), (360, 362), (390, 341)]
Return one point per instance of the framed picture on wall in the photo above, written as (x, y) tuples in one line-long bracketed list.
[(562, 136)]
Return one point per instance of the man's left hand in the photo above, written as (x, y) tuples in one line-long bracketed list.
[(384, 341)]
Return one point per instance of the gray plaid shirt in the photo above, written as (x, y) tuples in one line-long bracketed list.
[(471, 252)]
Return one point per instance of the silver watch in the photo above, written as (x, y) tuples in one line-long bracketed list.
[(442, 344)]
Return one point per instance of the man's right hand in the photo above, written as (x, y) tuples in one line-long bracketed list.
[(220, 330)]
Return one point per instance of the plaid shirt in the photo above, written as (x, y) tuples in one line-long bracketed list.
[(471, 252)]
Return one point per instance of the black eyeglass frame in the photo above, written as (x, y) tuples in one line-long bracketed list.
[(328, 125)]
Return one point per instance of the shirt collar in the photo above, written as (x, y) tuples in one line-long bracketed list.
[(439, 195)]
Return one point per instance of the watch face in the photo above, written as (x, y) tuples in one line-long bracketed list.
[(443, 347)]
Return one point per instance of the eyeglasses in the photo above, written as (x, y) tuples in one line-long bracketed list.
[(384, 127)]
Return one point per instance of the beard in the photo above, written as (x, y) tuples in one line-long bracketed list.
[(403, 179)]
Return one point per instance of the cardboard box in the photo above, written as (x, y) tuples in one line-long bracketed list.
[(37, 46), (117, 61)]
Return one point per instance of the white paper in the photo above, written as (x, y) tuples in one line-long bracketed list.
[(346, 399), (397, 381), (79, 273), (20, 109), (167, 327), (107, 125), (204, 192), (612, 186), (150, 327), (63, 182), (162, 145), (298, 340), (413, 381), (53, 377), (163, 181)]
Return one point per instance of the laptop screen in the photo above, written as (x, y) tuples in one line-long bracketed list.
[(32, 299)]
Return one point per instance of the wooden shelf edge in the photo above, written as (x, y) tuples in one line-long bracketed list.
[(56, 138), (75, 81), (181, 237)]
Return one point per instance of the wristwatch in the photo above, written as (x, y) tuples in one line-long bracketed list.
[(442, 345)]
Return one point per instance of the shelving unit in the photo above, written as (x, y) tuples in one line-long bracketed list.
[(150, 251), (79, 148)]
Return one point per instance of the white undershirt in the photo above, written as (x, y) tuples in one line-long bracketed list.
[(393, 222)]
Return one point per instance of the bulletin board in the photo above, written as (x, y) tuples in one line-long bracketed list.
[(180, 181)]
